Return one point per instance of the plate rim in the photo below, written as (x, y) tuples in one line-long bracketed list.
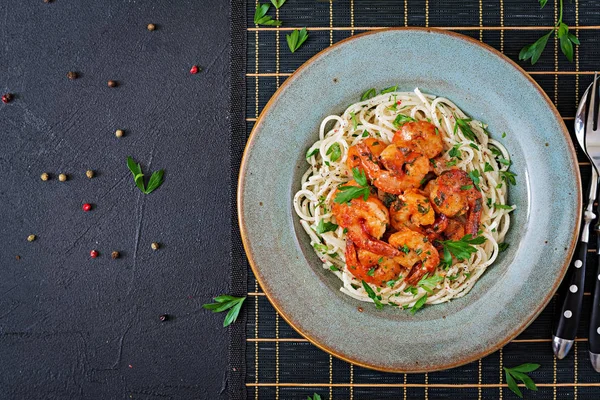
[(474, 356)]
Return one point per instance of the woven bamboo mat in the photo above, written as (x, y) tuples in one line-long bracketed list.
[(280, 364)]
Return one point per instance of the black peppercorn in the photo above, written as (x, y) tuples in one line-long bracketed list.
[(72, 75), (112, 83), (163, 317)]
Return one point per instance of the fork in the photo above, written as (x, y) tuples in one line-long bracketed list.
[(592, 133)]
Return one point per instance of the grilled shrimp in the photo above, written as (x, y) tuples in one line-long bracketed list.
[(370, 267), (412, 209), (404, 168), (421, 136), (375, 145), (418, 254), (454, 194), (366, 222)]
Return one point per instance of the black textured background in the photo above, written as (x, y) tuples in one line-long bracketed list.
[(283, 365), (74, 327)]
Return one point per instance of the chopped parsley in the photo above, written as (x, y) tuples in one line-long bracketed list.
[(354, 121), (404, 249), (502, 247), (368, 94), (465, 128), (461, 249), (389, 89), (509, 177), (451, 163), (428, 284), (503, 207), (320, 247), (487, 167), (323, 227), (372, 295), (419, 304), (503, 134), (371, 272), (454, 152), (452, 278), (504, 161), (333, 268), (365, 133), (393, 282), (466, 187), (473, 145), (402, 119), (475, 177), (335, 151), (312, 152), (418, 251), (412, 290), (348, 193), (495, 151)]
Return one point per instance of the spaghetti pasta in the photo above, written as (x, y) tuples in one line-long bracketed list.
[(470, 151)]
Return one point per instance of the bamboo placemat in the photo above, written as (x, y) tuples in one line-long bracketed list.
[(280, 364)]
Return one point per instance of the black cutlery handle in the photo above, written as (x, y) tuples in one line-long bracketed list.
[(568, 320), (594, 333)]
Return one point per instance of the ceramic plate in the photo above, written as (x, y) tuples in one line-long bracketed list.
[(514, 290)]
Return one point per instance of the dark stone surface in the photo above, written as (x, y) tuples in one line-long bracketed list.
[(75, 327)]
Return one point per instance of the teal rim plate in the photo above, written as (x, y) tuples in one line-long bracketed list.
[(543, 233)]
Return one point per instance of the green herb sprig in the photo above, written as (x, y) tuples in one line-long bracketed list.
[(376, 299), (348, 193), (226, 302), (419, 304), (561, 30), (369, 94), (156, 179), (323, 227), (314, 397), (520, 373), (429, 283), (465, 128), (402, 119), (261, 17), (296, 39), (461, 249)]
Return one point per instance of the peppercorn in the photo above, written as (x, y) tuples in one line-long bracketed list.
[(115, 255), (31, 238), (89, 173), (151, 27), (119, 133), (86, 207), (7, 98), (72, 75), (94, 253), (194, 69), (47, 1), (155, 246), (112, 83), (18, 257), (44, 176), (62, 177), (163, 317), (360, 309)]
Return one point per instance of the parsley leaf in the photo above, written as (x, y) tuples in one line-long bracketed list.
[(347, 193), (372, 295), (509, 177), (487, 167), (534, 50), (465, 128), (475, 177), (278, 3), (502, 247), (520, 373), (428, 284), (402, 119), (371, 272), (296, 39), (261, 17), (156, 179), (323, 227), (466, 187), (335, 151), (412, 290), (354, 120), (310, 153), (419, 304), (461, 249), (454, 152), (368, 94), (503, 207), (389, 90), (226, 302), (504, 161), (315, 397)]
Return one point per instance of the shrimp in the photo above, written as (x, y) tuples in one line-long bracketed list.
[(412, 209), (404, 169), (454, 194), (375, 145), (421, 136), (418, 254), (366, 222), (370, 267)]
